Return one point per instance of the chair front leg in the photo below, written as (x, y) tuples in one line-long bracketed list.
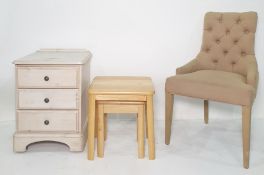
[(246, 123), (169, 100)]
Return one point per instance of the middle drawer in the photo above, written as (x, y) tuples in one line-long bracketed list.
[(47, 98)]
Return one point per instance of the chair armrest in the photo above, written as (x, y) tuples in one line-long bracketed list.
[(187, 68), (252, 73)]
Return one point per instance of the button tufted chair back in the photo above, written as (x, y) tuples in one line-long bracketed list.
[(228, 42)]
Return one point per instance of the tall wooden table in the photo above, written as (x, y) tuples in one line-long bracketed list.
[(120, 94)]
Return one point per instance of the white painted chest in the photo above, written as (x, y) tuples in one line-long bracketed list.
[(50, 98)]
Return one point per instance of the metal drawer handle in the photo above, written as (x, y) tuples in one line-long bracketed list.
[(46, 78), (46, 122), (46, 100)]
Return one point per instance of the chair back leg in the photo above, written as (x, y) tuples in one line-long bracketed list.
[(169, 100), (206, 111)]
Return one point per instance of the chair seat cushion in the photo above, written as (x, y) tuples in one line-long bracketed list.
[(212, 85)]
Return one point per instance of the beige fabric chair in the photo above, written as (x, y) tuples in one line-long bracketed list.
[(225, 70)]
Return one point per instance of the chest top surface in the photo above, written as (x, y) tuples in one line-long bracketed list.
[(56, 56)]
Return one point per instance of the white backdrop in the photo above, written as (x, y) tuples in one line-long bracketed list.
[(126, 37)]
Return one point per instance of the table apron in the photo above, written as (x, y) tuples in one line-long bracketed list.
[(121, 97)]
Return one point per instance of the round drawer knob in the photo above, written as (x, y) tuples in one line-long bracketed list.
[(46, 100), (46, 122), (46, 78)]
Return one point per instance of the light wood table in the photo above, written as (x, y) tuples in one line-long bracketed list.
[(112, 94)]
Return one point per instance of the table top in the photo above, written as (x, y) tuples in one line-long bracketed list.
[(123, 85), (56, 56)]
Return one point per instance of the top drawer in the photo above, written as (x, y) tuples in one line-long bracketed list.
[(47, 77)]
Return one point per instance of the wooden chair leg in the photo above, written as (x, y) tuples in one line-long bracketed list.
[(206, 111), (246, 123), (100, 136), (169, 100), (105, 126), (141, 144)]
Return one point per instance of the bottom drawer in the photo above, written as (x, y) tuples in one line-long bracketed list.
[(40, 120)]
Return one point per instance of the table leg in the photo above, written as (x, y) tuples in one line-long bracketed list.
[(105, 126), (150, 126), (91, 126), (137, 125), (96, 122), (140, 123), (145, 121), (100, 136)]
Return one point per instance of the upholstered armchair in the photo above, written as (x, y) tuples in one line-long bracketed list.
[(225, 70)]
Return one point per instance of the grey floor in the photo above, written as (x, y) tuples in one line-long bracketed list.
[(195, 148)]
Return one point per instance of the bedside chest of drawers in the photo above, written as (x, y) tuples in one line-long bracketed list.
[(51, 98)]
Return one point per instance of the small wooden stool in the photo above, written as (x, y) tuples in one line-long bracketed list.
[(120, 95), (104, 107)]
